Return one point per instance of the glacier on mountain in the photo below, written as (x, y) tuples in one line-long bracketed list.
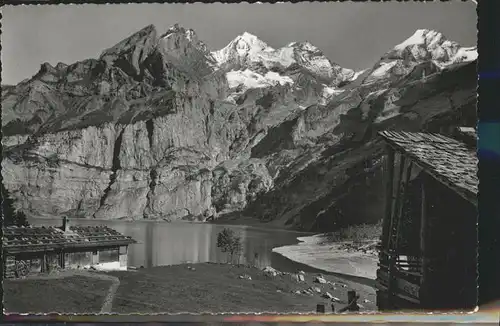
[(250, 79)]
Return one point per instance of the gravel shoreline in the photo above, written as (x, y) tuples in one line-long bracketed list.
[(347, 257)]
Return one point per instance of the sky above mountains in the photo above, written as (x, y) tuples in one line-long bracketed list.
[(353, 35)]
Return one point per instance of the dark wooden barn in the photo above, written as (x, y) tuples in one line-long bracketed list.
[(428, 249), (30, 250)]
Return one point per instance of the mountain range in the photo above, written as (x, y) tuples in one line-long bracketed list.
[(160, 127)]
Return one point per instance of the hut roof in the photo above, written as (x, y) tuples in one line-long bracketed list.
[(448, 160), (30, 238)]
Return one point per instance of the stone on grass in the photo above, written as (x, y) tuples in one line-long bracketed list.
[(301, 278), (245, 277), (316, 289), (335, 299), (268, 270), (319, 279)]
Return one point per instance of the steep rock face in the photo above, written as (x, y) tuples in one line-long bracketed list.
[(159, 127), (140, 116)]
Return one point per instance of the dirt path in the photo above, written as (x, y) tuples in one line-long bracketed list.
[(108, 301)]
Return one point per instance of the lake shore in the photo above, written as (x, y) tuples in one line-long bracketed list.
[(342, 257), (316, 251), (196, 288)]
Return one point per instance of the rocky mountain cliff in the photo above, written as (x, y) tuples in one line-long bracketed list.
[(160, 127)]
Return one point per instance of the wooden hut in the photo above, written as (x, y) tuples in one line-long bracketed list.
[(428, 249), (31, 250)]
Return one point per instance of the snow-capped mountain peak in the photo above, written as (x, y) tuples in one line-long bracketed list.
[(421, 37), (252, 39), (243, 45), (247, 51), (425, 48), (430, 45)]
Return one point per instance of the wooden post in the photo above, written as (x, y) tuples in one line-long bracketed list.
[(352, 301), (423, 246), (61, 259), (403, 189), (44, 267), (389, 170), (391, 240), (404, 178), (384, 259), (395, 200)]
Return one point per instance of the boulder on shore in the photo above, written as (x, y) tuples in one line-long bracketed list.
[(268, 270)]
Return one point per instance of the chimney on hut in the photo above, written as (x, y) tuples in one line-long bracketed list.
[(65, 225), (467, 135)]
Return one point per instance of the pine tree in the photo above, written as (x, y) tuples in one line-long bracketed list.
[(10, 215)]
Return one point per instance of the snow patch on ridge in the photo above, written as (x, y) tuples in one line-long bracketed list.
[(384, 68), (357, 74), (465, 54), (328, 92)]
